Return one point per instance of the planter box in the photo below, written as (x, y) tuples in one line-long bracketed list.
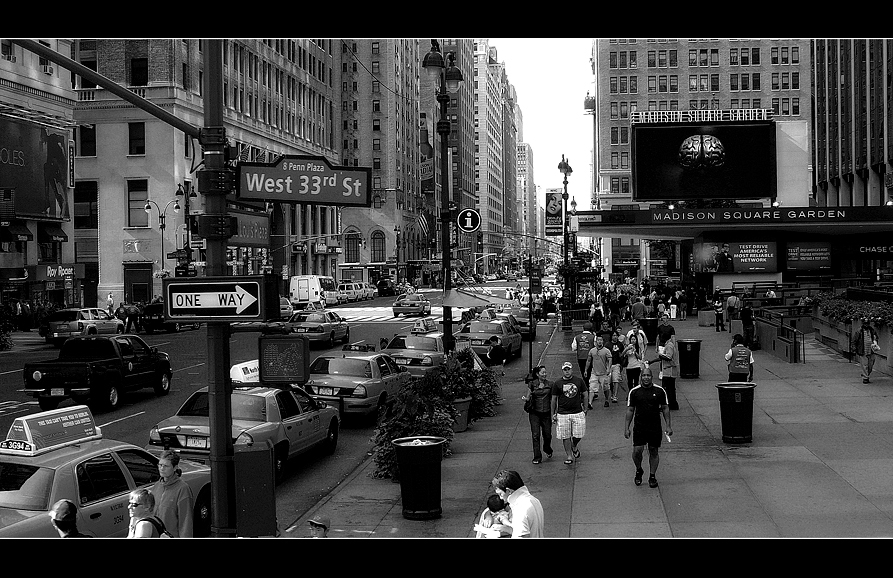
[(462, 406)]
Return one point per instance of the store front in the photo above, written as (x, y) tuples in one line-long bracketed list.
[(60, 284)]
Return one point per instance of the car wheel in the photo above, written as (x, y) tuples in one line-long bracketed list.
[(280, 456), (163, 385), (201, 526), (331, 438), (48, 403), (111, 398), (346, 338)]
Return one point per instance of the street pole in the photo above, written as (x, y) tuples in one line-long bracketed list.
[(566, 321), (530, 310)]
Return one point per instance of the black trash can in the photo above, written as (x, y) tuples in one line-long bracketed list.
[(418, 458), (649, 326), (736, 411), (689, 357)]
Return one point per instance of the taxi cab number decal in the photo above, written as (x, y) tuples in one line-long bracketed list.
[(15, 445)]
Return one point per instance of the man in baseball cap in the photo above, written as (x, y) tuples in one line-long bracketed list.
[(319, 526), (64, 515)]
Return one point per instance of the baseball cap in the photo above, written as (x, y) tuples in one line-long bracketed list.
[(320, 521), (567, 365), (64, 511)]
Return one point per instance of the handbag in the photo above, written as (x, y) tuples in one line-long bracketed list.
[(875, 348), (528, 403)]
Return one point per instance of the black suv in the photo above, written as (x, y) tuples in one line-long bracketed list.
[(386, 288)]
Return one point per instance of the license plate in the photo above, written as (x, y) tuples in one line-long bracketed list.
[(301, 330), (401, 361), (324, 391), (477, 342), (193, 442), (57, 391)]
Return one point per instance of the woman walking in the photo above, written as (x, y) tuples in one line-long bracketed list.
[(634, 355), (540, 391)]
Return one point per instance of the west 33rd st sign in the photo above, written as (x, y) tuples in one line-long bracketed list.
[(305, 179)]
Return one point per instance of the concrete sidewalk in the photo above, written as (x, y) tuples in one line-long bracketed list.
[(820, 463)]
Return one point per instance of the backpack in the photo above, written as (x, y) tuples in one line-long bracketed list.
[(159, 526)]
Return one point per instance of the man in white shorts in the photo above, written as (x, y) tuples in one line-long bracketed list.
[(569, 409)]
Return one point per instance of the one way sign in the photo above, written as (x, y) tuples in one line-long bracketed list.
[(215, 299)]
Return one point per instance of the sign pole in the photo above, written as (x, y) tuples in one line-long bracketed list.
[(530, 310)]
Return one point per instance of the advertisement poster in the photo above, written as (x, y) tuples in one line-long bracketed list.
[(554, 224), (736, 257), (34, 162), (809, 255)]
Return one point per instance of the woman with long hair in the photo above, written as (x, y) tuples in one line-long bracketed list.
[(634, 354), (540, 390)]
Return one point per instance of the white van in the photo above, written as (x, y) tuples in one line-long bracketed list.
[(304, 289)]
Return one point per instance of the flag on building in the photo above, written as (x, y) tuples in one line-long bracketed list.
[(423, 223)]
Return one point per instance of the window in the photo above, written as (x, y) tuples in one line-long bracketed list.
[(755, 81), (376, 144), (615, 132), (795, 55), (375, 48), (775, 105), (100, 478), (773, 55), (702, 57), (612, 60), (624, 185), (775, 83), (615, 185), (733, 56), (632, 59), (376, 124), (673, 61), (784, 55), (613, 85), (86, 195), (623, 60), (662, 58), (745, 57), (378, 250), (633, 84), (714, 83), (376, 106), (87, 141), (662, 83), (733, 82), (136, 138), (652, 84), (91, 64), (652, 58), (785, 81), (615, 160), (693, 83), (142, 468), (137, 195), (139, 71), (795, 106), (352, 248), (745, 82), (755, 56), (704, 78), (288, 406), (624, 135), (623, 85), (692, 57), (624, 160), (785, 106), (185, 76), (624, 110), (376, 67), (614, 111), (376, 163), (795, 80)]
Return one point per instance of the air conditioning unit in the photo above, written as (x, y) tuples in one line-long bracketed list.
[(47, 69)]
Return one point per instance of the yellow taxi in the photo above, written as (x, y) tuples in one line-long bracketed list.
[(419, 351), (61, 454)]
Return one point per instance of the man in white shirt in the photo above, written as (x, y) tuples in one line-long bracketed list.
[(637, 330), (527, 511)]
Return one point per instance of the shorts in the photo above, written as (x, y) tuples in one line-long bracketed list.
[(599, 382), (616, 373), (571, 425), (650, 437)]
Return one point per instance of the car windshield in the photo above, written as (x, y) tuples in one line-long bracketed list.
[(308, 318), (62, 316), (413, 342), (87, 350), (25, 487), (521, 314), (342, 366), (482, 328), (245, 407)]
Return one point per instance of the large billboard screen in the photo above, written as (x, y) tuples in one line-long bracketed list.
[(736, 257), (34, 163), (809, 255), (679, 161)]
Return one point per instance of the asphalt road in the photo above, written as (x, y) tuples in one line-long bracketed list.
[(310, 477)]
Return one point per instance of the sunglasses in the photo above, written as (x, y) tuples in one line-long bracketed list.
[(133, 504)]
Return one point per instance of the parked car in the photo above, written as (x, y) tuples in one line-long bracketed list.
[(386, 288), (370, 290), (478, 333), (512, 320), (80, 465), (325, 326), (522, 315), (412, 303), (98, 368), (511, 277), (349, 292), (153, 320), (358, 381), (288, 417), (285, 307), (419, 350), (64, 323)]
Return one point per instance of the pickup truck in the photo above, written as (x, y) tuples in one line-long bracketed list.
[(98, 368)]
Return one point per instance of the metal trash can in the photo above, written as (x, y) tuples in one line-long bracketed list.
[(736, 411), (689, 357), (418, 458), (649, 326)]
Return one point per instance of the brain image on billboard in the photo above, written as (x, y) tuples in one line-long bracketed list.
[(683, 161)]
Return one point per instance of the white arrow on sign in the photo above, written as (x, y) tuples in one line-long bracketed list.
[(240, 299)]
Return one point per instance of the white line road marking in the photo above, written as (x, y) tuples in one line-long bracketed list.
[(13, 371), (189, 367), (122, 419)]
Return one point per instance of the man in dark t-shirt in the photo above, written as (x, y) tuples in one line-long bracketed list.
[(646, 403), (569, 407)]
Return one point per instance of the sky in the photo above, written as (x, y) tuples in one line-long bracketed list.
[(551, 77)]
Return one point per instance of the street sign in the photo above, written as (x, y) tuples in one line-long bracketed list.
[(536, 285), (305, 179), (468, 221), (224, 298), (283, 358)]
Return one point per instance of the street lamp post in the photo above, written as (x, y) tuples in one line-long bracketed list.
[(161, 216), (397, 251), (566, 322), (188, 193), (450, 80)]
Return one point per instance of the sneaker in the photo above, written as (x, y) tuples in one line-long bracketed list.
[(638, 478), (590, 406), (607, 404), (652, 481), (613, 399)]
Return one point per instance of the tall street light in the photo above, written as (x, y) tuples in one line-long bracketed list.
[(161, 216), (450, 81), (397, 251), (566, 322)]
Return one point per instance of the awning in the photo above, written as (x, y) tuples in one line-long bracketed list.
[(463, 298), (16, 232), (50, 233)]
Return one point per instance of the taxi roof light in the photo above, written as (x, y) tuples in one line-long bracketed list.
[(39, 433)]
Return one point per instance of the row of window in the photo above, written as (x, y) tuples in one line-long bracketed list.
[(703, 82), (705, 57)]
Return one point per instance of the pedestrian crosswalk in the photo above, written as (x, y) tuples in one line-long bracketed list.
[(383, 315)]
